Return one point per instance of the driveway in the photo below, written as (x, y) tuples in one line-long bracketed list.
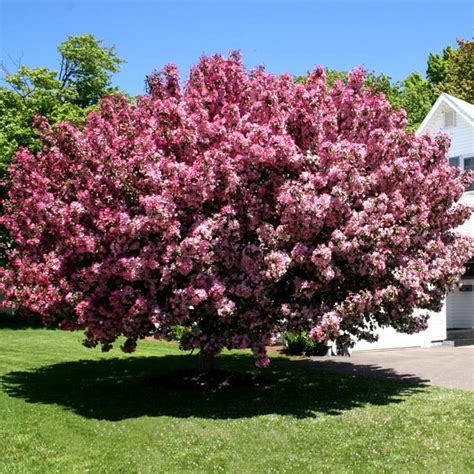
[(451, 367)]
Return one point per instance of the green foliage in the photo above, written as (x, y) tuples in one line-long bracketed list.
[(453, 71), (70, 94), (180, 334), (383, 84), (86, 68), (301, 344), (416, 98), (459, 80), (332, 75), (437, 69), (177, 333), (28, 93)]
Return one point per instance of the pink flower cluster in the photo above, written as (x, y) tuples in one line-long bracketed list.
[(239, 204), (327, 329)]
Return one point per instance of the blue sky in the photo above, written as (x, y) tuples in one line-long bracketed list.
[(391, 36)]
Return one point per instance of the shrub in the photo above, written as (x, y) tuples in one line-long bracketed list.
[(302, 344)]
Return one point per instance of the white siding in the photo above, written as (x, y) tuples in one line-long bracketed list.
[(390, 339), (458, 310), (462, 135), (460, 306), (437, 325)]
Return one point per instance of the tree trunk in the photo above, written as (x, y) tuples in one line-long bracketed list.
[(206, 361)]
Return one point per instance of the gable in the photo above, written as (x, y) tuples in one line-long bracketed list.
[(461, 133)]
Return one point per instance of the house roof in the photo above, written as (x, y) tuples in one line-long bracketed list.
[(463, 108)]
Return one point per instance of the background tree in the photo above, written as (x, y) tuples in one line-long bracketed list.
[(437, 69), (238, 206), (68, 94), (377, 82), (332, 75), (86, 69), (417, 98), (459, 78), (381, 83), (84, 77)]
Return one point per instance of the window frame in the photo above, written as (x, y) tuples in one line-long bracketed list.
[(446, 114), (469, 273), (461, 159), (471, 158), (457, 158)]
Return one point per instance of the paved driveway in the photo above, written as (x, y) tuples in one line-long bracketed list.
[(451, 367)]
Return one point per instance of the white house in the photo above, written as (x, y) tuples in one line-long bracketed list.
[(456, 118)]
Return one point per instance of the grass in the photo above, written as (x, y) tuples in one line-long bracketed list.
[(65, 408)]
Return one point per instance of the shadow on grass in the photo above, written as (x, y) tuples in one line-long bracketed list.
[(11, 320), (361, 370), (116, 389)]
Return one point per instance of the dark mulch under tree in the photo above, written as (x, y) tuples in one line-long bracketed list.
[(193, 379)]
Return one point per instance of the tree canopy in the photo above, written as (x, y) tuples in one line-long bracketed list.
[(238, 205), (86, 68), (453, 72)]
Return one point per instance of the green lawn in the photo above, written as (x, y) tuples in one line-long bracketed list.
[(65, 408)]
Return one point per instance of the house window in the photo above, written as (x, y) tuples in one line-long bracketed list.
[(463, 164), (454, 161), (450, 118), (469, 273), (469, 165)]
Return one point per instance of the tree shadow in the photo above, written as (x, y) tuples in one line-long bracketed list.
[(12, 320), (358, 370), (117, 389)]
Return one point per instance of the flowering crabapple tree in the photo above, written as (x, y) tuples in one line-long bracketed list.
[(237, 205)]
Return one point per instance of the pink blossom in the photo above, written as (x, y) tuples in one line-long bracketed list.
[(238, 204), (327, 328)]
